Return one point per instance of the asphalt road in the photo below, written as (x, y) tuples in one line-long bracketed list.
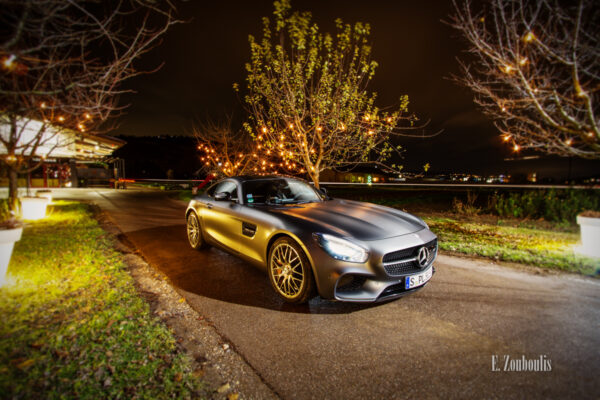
[(437, 343)]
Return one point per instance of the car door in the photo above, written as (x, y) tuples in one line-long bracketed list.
[(220, 218)]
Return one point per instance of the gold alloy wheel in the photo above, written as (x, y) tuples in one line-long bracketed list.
[(193, 230), (287, 270)]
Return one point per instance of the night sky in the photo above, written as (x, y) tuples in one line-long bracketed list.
[(416, 53)]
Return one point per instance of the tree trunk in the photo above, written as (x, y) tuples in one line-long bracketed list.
[(13, 189), (315, 178)]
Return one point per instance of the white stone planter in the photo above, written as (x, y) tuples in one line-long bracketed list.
[(33, 207), (8, 237), (590, 236), (44, 194)]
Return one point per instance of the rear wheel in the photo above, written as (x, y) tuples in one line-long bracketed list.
[(289, 271), (194, 232)]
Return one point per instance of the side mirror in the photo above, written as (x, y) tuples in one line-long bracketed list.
[(222, 196)]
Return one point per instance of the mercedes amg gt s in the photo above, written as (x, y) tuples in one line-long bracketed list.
[(310, 243)]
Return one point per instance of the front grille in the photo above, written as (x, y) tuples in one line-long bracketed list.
[(402, 268), (403, 262)]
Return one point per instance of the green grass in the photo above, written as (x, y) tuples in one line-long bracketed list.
[(73, 325), (528, 244)]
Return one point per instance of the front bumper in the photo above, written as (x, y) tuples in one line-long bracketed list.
[(369, 282)]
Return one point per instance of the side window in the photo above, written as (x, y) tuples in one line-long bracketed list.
[(225, 186)]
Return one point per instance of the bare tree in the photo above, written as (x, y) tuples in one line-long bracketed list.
[(226, 152), (308, 97), (536, 71), (62, 63)]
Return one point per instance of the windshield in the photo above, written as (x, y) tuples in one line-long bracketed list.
[(279, 191)]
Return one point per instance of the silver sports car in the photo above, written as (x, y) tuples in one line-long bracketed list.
[(307, 241)]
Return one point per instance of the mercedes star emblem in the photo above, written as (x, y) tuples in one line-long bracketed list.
[(423, 256)]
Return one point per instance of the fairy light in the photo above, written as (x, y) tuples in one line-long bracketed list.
[(366, 118), (8, 61), (264, 129), (535, 90), (523, 61), (43, 104), (281, 145), (506, 138), (342, 127), (61, 118), (291, 126), (508, 68), (568, 142), (88, 116), (516, 147), (371, 133), (529, 37), (503, 109), (389, 119), (590, 134), (319, 129)]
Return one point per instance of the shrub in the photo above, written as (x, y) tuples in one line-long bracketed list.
[(551, 205)]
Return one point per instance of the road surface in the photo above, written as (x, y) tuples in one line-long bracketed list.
[(442, 342)]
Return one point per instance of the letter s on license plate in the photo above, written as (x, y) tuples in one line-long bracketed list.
[(417, 280)]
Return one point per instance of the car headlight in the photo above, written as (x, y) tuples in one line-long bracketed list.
[(341, 249)]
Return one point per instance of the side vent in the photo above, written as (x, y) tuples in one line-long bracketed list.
[(248, 229)]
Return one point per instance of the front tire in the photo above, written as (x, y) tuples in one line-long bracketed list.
[(289, 271), (194, 232)]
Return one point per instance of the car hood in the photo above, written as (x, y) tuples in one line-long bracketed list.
[(346, 218)]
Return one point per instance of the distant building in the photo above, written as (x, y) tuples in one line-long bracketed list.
[(68, 158)]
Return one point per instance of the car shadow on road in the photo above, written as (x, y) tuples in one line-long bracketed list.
[(218, 275)]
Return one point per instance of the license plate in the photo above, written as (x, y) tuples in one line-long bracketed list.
[(417, 280)]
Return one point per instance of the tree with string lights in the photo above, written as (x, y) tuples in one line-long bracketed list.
[(225, 152), (536, 72), (308, 100), (61, 66)]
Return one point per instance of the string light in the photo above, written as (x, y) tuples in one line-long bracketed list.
[(291, 126), (506, 138), (366, 117), (508, 68), (389, 119), (8, 61), (43, 104), (319, 129), (516, 147), (264, 129), (523, 61), (529, 37), (371, 133), (88, 116), (61, 118), (568, 142)]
